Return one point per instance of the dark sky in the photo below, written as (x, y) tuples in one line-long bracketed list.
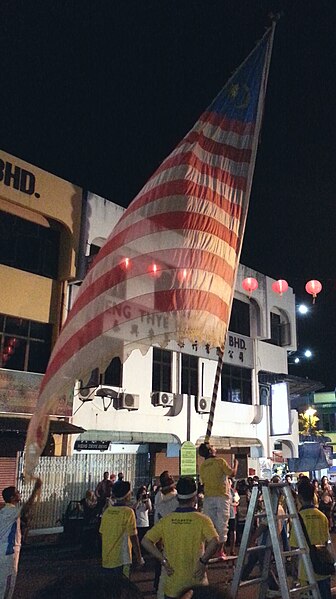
[(100, 92)]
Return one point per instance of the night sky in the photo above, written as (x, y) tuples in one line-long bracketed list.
[(100, 92)]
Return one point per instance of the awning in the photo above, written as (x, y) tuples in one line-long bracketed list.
[(232, 442), (311, 457), (127, 437), (15, 424), (298, 386)]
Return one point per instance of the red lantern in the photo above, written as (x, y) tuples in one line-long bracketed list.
[(125, 264), (250, 284), (280, 286), (313, 287)]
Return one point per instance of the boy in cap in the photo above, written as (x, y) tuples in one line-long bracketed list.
[(119, 532), (214, 474), (183, 534)]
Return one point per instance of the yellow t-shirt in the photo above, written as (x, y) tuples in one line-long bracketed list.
[(183, 534), (317, 527), (214, 472), (117, 525)]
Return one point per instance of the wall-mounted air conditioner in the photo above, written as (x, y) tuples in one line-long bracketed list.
[(86, 393), (203, 405), (162, 398), (127, 401)]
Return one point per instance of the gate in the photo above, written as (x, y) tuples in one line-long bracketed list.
[(67, 478)]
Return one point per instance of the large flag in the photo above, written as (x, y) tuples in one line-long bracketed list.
[(167, 271)]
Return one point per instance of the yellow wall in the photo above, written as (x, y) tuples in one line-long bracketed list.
[(29, 296), (45, 194)]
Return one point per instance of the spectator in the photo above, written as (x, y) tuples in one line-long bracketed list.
[(317, 527), (165, 503), (317, 493), (234, 502), (142, 507), (103, 491), (119, 481), (183, 534), (119, 533), (10, 535), (325, 505), (166, 497), (242, 508), (214, 472), (89, 537)]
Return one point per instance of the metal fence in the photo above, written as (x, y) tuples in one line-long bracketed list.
[(67, 478)]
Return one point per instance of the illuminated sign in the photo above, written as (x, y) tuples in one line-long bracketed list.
[(280, 413)]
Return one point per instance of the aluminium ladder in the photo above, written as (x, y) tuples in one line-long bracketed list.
[(273, 544)]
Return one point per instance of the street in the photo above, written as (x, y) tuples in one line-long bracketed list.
[(42, 562)]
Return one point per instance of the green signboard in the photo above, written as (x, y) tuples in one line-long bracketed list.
[(188, 459)]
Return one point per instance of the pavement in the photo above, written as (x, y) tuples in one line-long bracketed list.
[(49, 557)]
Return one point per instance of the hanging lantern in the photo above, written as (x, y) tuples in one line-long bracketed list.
[(250, 284), (313, 287), (280, 286)]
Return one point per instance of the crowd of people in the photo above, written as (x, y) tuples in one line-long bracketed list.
[(183, 524)]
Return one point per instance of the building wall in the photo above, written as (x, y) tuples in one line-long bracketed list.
[(40, 198), (233, 423)]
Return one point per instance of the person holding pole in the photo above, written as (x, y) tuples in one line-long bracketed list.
[(214, 472)]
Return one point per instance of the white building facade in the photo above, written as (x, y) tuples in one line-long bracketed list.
[(163, 398)]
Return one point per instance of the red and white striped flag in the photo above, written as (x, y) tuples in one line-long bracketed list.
[(168, 269)]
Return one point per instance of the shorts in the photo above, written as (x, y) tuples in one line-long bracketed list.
[(218, 510)]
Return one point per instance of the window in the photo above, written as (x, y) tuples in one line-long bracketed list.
[(113, 374), (24, 344), (240, 318), (328, 422), (280, 331), (112, 377), (236, 384), (28, 246), (162, 366), (189, 378)]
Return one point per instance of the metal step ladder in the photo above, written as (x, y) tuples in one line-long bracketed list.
[(272, 544)]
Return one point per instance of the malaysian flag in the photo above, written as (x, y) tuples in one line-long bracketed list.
[(167, 271)]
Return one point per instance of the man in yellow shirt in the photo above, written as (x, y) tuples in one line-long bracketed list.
[(119, 533), (183, 534), (214, 474), (317, 527)]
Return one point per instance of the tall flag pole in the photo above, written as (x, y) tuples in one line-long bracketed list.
[(168, 269), (259, 115)]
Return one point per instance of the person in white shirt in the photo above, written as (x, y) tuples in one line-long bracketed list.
[(142, 508), (10, 536)]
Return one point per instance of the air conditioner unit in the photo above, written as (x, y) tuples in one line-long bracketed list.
[(127, 401), (86, 393), (162, 398), (203, 405), (264, 394)]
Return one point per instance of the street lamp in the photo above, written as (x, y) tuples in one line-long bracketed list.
[(309, 413), (296, 359), (303, 309)]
